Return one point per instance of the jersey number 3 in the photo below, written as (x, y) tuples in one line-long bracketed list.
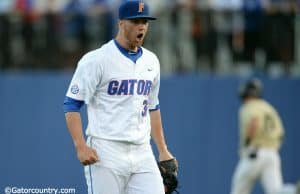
[(145, 110)]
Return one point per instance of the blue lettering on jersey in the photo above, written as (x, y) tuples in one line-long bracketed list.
[(123, 89), (113, 87), (141, 87), (132, 83), (147, 87), (129, 87)]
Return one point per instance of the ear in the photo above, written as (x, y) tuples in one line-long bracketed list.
[(121, 22)]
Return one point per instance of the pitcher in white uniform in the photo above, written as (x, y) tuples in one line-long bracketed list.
[(119, 83)]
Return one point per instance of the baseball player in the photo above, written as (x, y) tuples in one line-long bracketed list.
[(119, 83), (261, 133)]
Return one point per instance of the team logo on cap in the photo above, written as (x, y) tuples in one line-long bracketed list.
[(141, 7)]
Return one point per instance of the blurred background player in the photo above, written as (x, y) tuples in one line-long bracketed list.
[(261, 134), (119, 82)]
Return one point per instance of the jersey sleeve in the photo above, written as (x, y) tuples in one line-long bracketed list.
[(153, 96), (85, 79)]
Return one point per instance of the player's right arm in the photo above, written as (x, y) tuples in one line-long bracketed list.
[(81, 90), (86, 155)]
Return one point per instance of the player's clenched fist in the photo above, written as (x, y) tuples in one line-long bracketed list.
[(87, 155)]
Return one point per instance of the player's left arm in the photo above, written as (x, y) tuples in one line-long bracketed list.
[(157, 132), (158, 135)]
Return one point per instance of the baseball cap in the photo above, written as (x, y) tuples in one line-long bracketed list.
[(132, 9)]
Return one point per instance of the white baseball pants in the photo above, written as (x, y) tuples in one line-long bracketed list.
[(123, 168), (266, 167)]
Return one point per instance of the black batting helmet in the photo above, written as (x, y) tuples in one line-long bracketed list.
[(251, 88)]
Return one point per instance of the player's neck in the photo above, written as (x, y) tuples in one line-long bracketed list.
[(250, 99), (125, 44)]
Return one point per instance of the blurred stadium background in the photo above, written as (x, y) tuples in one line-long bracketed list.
[(206, 48)]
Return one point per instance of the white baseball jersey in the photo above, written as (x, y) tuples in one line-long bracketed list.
[(118, 93)]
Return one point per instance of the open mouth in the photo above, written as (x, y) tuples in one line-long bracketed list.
[(140, 36)]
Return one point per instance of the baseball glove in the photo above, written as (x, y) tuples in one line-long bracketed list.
[(168, 170)]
